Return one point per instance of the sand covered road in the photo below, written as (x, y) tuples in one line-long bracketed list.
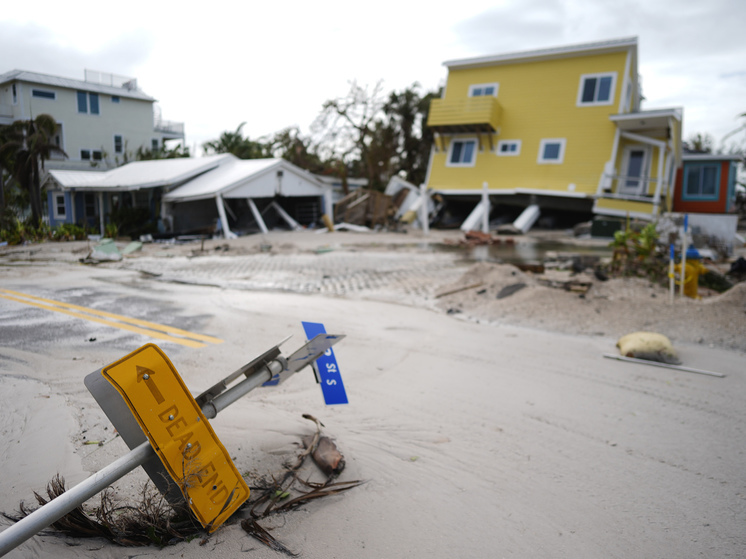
[(477, 439)]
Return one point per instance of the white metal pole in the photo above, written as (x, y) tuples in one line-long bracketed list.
[(682, 275), (485, 208), (15, 535)]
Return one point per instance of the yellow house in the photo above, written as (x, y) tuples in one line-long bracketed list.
[(555, 128)]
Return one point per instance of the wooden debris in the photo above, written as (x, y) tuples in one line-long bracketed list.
[(458, 289), (576, 286), (364, 207), (664, 365), (476, 238)]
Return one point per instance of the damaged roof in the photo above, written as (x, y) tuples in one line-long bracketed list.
[(140, 174)]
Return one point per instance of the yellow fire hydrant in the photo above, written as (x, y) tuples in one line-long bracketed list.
[(694, 269)]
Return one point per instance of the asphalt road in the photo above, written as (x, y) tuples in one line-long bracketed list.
[(476, 440)]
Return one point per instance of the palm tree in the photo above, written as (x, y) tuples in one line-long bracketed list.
[(27, 144), (235, 143)]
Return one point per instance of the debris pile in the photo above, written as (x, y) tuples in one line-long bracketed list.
[(475, 238), (368, 208), (152, 520)]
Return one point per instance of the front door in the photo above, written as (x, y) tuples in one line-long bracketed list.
[(634, 179)]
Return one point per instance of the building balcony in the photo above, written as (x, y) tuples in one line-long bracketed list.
[(171, 130), (473, 114)]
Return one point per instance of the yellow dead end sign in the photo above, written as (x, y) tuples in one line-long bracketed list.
[(179, 433)]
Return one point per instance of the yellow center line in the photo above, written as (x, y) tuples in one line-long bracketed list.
[(151, 329)]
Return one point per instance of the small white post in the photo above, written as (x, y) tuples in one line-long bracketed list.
[(424, 210)]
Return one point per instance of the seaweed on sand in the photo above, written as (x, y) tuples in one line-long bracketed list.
[(152, 520)]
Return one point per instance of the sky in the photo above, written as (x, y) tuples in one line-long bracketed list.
[(216, 64)]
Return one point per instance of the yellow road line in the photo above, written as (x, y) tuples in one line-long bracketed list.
[(152, 329)]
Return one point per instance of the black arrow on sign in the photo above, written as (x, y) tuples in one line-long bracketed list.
[(146, 375)]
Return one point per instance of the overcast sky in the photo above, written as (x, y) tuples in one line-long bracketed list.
[(213, 65)]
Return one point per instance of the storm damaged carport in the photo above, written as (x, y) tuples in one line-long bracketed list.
[(248, 195)]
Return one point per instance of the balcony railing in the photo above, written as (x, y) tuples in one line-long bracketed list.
[(169, 128), (465, 115), (616, 184)]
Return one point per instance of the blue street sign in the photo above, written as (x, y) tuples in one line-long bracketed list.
[(328, 371)]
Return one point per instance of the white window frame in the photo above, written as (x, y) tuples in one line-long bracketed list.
[(14, 93), (560, 159), (478, 85), (44, 91), (121, 143), (474, 152), (502, 143), (87, 103), (116, 99), (55, 199), (598, 76), (91, 154)]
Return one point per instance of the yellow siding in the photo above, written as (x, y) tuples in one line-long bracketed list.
[(624, 206), (539, 101)]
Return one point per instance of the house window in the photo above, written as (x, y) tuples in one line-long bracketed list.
[(88, 103), (154, 145), (43, 94), (115, 98), (15, 94), (82, 102), (701, 182), (462, 153), (596, 89), (88, 154), (118, 144), (90, 204), (483, 89), (60, 210), (552, 150), (93, 103), (509, 147)]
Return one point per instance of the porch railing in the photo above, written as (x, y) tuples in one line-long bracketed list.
[(613, 185)]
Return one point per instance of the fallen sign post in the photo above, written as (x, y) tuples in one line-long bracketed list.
[(141, 378), (664, 365)]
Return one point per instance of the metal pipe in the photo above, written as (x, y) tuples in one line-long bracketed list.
[(257, 378), (15, 535)]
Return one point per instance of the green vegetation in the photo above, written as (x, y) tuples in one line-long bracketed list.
[(636, 253), (24, 146), (15, 231)]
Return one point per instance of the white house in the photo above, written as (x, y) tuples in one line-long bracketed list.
[(191, 194), (101, 120)]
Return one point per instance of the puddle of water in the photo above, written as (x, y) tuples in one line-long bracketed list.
[(524, 251)]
